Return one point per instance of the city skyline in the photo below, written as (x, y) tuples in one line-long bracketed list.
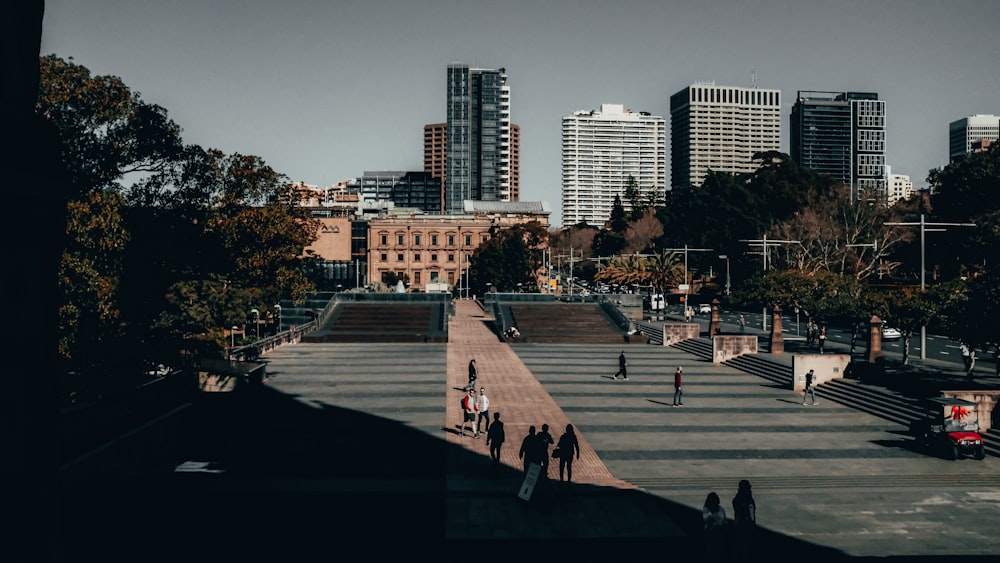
[(324, 92)]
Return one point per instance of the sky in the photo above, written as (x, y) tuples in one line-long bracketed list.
[(324, 90)]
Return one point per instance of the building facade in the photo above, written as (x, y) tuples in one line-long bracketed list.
[(436, 249), (435, 157), (601, 151), (477, 144), (842, 135), (965, 134), (721, 128), (900, 188), (417, 190)]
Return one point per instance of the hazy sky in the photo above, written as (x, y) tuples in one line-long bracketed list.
[(324, 90)]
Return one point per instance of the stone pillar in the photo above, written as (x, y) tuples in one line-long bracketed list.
[(715, 325), (874, 339), (777, 337), (33, 187)]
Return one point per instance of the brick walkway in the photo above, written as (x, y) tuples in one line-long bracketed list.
[(514, 392)]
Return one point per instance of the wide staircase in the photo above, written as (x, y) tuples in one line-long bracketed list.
[(900, 404), (383, 322), (564, 323)]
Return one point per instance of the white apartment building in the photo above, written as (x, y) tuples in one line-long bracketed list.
[(720, 128), (900, 188), (963, 133), (600, 151)]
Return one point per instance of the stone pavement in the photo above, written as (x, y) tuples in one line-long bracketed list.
[(349, 452)]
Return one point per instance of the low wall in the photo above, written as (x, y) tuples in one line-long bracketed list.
[(728, 346), (986, 404), (675, 332), (825, 368), (224, 376)]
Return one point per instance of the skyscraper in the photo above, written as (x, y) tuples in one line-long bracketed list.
[(720, 128), (435, 158), (601, 150), (964, 132), (478, 137), (842, 134)]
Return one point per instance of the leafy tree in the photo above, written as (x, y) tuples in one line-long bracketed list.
[(640, 233), (633, 195), (510, 259)]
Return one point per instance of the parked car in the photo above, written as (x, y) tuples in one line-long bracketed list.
[(889, 333), (952, 432), (705, 308)]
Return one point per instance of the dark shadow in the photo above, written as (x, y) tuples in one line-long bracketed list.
[(907, 444), (301, 483)]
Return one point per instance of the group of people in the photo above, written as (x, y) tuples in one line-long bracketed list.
[(718, 538), (535, 449), (816, 335)]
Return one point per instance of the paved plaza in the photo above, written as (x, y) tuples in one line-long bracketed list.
[(358, 444)]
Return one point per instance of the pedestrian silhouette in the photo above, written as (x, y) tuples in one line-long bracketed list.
[(495, 437), (567, 447), (622, 367), (544, 441), (528, 453), (745, 521), (714, 518)]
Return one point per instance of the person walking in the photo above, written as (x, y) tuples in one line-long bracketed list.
[(473, 375), (468, 410), (528, 453), (622, 367), (495, 438), (743, 325), (810, 390), (745, 521), (822, 338), (678, 388), (483, 408), (713, 517), (544, 441), (567, 447)]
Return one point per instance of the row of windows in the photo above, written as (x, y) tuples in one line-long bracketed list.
[(434, 239), (435, 276), (417, 257)]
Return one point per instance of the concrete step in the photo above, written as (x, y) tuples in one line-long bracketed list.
[(873, 400), (991, 441)]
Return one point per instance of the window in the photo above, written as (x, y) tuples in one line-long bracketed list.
[(468, 240), (385, 240), (434, 257), (451, 240), (416, 240), (434, 240), (451, 257), (400, 240), (399, 257), (416, 257), (416, 278), (385, 257)]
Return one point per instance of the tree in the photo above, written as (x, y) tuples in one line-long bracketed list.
[(634, 197), (509, 260), (640, 233)]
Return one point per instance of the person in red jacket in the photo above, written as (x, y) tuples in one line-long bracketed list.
[(468, 410)]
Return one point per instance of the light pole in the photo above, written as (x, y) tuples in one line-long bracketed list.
[(726, 258), (256, 321), (277, 311), (232, 336), (764, 243), (685, 288), (923, 228)]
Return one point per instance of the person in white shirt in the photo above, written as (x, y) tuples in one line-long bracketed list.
[(483, 406)]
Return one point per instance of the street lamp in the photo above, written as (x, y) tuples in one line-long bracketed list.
[(686, 250), (277, 312), (726, 258), (232, 336), (256, 321), (923, 229), (764, 243)]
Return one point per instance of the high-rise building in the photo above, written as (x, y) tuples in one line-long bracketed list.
[(601, 150), (477, 145), (900, 188), (965, 132), (842, 135), (721, 128), (435, 157)]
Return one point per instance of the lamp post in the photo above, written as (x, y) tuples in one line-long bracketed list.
[(726, 258), (232, 337), (923, 228), (686, 250), (256, 321), (277, 312), (764, 243)]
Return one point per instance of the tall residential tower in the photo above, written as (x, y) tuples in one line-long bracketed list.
[(842, 134), (721, 128), (478, 144), (601, 150)]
